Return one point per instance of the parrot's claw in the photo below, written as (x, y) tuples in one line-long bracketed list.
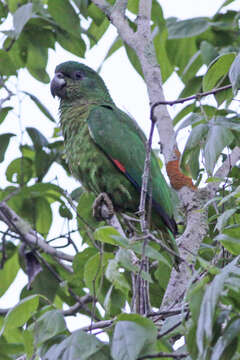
[(103, 207)]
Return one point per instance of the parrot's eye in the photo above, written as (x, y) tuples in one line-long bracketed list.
[(78, 75)]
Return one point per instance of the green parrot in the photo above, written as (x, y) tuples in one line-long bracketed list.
[(105, 148)]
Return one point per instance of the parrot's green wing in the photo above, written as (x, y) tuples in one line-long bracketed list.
[(124, 143)]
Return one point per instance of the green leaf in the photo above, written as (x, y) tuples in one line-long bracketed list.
[(117, 44), (65, 16), (133, 336), (132, 57), (115, 277), (194, 141), (223, 219), (234, 73), (78, 346), (217, 139), (180, 51), (81, 258), (192, 67), (106, 234), (22, 15), (41, 107), (73, 44), (137, 247), (96, 14), (37, 137), (43, 161), (94, 269), (187, 28), (193, 86), (96, 32), (7, 67), (162, 54), (19, 171), (48, 325), (4, 141), (208, 307), (65, 212), (39, 74), (182, 113), (231, 333), (20, 313), (28, 341), (8, 273), (3, 113), (44, 216), (208, 52), (217, 70), (231, 244), (37, 57)]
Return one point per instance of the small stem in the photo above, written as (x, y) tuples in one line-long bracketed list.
[(193, 97)]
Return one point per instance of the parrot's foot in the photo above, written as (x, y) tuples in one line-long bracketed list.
[(103, 207)]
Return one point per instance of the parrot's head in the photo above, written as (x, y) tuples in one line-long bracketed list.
[(73, 80)]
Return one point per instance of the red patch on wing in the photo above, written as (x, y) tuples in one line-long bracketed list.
[(119, 165)]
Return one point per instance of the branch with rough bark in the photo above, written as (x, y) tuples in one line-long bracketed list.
[(27, 234)]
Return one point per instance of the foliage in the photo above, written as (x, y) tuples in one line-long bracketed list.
[(97, 280)]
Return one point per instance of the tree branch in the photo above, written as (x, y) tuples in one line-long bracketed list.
[(98, 325), (27, 234), (189, 243), (164, 355), (193, 97)]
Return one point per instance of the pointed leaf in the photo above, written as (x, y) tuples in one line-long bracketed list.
[(230, 243), (208, 307), (21, 17), (48, 325), (230, 334), (65, 16), (37, 137), (234, 74), (3, 113), (21, 313), (8, 273), (4, 141), (41, 107), (77, 346), (7, 66), (218, 138), (44, 216), (217, 70), (223, 219), (194, 141), (132, 336), (187, 28)]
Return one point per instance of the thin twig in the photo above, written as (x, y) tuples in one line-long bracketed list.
[(188, 98), (164, 355), (76, 307), (165, 314), (145, 179), (98, 325)]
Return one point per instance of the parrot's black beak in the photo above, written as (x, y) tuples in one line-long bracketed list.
[(58, 85)]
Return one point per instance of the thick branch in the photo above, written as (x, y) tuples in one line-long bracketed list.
[(189, 243), (20, 227)]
